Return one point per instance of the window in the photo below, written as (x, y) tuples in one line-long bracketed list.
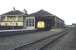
[(15, 18), (30, 22), (19, 23), (11, 18), (20, 18)]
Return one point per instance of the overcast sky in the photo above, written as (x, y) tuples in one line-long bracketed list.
[(64, 9)]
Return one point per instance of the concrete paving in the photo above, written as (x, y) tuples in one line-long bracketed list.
[(68, 42), (19, 40)]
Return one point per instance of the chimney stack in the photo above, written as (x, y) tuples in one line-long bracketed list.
[(14, 9), (25, 11)]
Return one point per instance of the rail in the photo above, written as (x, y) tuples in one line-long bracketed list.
[(40, 44)]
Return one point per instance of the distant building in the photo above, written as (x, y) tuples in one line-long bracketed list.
[(73, 25)]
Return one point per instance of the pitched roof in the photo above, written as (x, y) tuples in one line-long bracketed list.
[(41, 13), (16, 12)]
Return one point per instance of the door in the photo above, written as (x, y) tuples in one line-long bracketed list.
[(30, 23), (41, 24)]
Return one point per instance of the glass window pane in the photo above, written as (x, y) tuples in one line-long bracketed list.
[(30, 22)]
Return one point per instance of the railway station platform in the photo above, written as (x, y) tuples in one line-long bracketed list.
[(10, 42), (12, 32)]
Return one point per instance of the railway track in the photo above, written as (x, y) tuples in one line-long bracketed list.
[(42, 43)]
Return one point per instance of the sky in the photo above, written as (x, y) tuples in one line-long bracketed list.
[(64, 9)]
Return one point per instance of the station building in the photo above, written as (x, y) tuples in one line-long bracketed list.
[(52, 21), (16, 19)]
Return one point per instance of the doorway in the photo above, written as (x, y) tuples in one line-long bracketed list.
[(30, 23)]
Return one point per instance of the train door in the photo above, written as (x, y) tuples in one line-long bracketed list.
[(30, 22)]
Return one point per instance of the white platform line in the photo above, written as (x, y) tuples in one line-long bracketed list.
[(12, 30)]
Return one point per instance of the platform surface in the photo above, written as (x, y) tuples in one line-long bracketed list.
[(10, 42)]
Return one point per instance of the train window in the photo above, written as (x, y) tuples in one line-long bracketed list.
[(41, 24)]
